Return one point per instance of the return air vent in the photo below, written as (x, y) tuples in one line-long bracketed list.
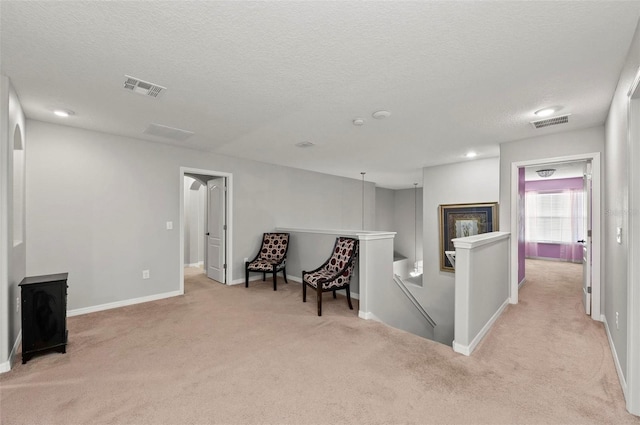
[(563, 119), (168, 132), (144, 88)]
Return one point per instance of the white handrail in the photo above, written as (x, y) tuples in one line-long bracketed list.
[(398, 280)]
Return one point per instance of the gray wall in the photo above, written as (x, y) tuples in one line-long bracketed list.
[(464, 182), (12, 256), (395, 212), (616, 206), (406, 223), (385, 204), (99, 204)]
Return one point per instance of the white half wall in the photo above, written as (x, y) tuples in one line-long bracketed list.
[(99, 204), (482, 286)]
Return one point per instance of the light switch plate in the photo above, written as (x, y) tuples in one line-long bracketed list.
[(169, 225), (619, 234)]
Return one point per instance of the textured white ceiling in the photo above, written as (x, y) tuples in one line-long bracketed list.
[(252, 79)]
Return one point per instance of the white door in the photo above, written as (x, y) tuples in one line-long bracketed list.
[(216, 229), (586, 240)]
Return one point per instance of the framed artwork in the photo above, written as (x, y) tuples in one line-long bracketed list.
[(461, 220)]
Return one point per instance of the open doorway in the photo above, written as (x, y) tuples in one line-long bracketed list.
[(556, 224), (195, 213), (592, 245), (205, 225)]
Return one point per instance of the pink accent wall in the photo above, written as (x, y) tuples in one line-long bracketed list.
[(559, 251), (555, 184), (521, 244)]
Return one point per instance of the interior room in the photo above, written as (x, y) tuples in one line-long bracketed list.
[(211, 211)]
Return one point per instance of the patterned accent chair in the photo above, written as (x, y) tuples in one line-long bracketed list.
[(271, 258), (335, 273)]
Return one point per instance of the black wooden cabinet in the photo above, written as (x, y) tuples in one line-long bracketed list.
[(44, 314)]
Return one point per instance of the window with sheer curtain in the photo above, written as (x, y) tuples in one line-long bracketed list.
[(554, 217)]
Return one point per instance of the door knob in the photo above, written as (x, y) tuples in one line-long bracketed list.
[(208, 234), (580, 241)]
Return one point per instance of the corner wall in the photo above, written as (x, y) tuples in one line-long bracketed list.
[(12, 255), (616, 209), (408, 223)]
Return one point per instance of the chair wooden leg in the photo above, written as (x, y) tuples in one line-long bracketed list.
[(319, 296), (304, 289), (349, 298), (334, 294), (275, 279), (246, 275), (284, 273), (264, 276)]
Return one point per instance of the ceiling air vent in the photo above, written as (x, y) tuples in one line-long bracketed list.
[(563, 119), (168, 132), (144, 88)]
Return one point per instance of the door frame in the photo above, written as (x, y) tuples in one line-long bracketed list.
[(229, 217), (632, 393), (596, 239)]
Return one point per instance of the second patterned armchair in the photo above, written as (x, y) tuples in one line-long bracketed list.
[(334, 274)]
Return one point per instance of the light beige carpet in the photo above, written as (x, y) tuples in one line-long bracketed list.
[(246, 356)]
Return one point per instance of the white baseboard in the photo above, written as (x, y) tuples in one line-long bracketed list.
[(251, 279), (522, 282), (468, 349), (368, 316), (462, 349), (562, 260), (294, 278), (124, 303), (616, 360), (6, 366), (198, 264)]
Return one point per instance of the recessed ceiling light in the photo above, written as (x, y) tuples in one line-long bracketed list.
[(63, 113), (379, 115), (471, 155), (546, 112), (358, 122)]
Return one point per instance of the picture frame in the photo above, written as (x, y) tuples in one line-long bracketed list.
[(461, 220)]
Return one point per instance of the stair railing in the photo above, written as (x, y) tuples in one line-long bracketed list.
[(398, 280)]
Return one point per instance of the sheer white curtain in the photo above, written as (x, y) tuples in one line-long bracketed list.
[(554, 221)]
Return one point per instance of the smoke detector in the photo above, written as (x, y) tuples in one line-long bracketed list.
[(380, 115), (562, 119), (144, 88)]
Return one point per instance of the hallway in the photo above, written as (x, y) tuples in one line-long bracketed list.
[(548, 341)]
